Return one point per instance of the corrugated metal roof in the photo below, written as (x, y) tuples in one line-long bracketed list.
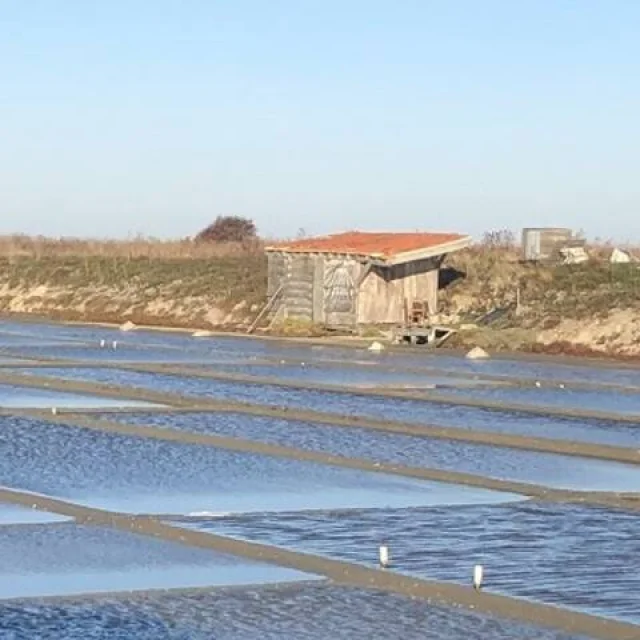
[(375, 245)]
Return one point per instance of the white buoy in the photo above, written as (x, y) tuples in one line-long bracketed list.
[(478, 572), (54, 411), (114, 345), (102, 343), (384, 556), (561, 386), (538, 383)]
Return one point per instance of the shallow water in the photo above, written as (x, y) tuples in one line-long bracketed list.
[(290, 612), (558, 471), (27, 397), (12, 341), (69, 559), (400, 410), (318, 353), (520, 368), (141, 475), (347, 376), (571, 556), (592, 400), (40, 337), (124, 352), (12, 514)]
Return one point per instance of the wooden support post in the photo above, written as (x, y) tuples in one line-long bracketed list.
[(265, 309)]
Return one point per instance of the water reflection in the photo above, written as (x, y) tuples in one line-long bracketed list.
[(155, 476), (571, 556), (399, 410), (300, 612), (11, 514), (558, 471), (25, 397), (67, 559)]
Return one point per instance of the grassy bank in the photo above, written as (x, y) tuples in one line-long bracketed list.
[(579, 309), (190, 292)]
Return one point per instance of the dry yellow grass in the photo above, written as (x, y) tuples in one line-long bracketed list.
[(22, 246)]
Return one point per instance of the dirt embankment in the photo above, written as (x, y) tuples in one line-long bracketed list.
[(593, 308), (582, 309), (199, 293)]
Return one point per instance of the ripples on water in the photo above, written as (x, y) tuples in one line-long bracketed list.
[(399, 410), (592, 400), (366, 376), (565, 472), (518, 368), (141, 475), (578, 557), (303, 612), (220, 348), (572, 556)]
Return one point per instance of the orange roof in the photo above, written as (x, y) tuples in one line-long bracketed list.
[(376, 245)]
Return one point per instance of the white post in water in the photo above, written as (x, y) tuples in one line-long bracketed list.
[(478, 572), (114, 344), (385, 559), (54, 411), (102, 343)]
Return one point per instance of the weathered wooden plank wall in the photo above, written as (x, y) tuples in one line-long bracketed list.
[(343, 291), (340, 291), (298, 293), (276, 272), (384, 290)]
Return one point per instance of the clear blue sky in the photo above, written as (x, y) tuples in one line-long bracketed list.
[(155, 116)]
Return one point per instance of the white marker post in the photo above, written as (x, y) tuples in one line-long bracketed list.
[(384, 556), (478, 572), (114, 344), (54, 411), (102, 344)]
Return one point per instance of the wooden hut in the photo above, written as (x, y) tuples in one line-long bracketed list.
[(356, 278)]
